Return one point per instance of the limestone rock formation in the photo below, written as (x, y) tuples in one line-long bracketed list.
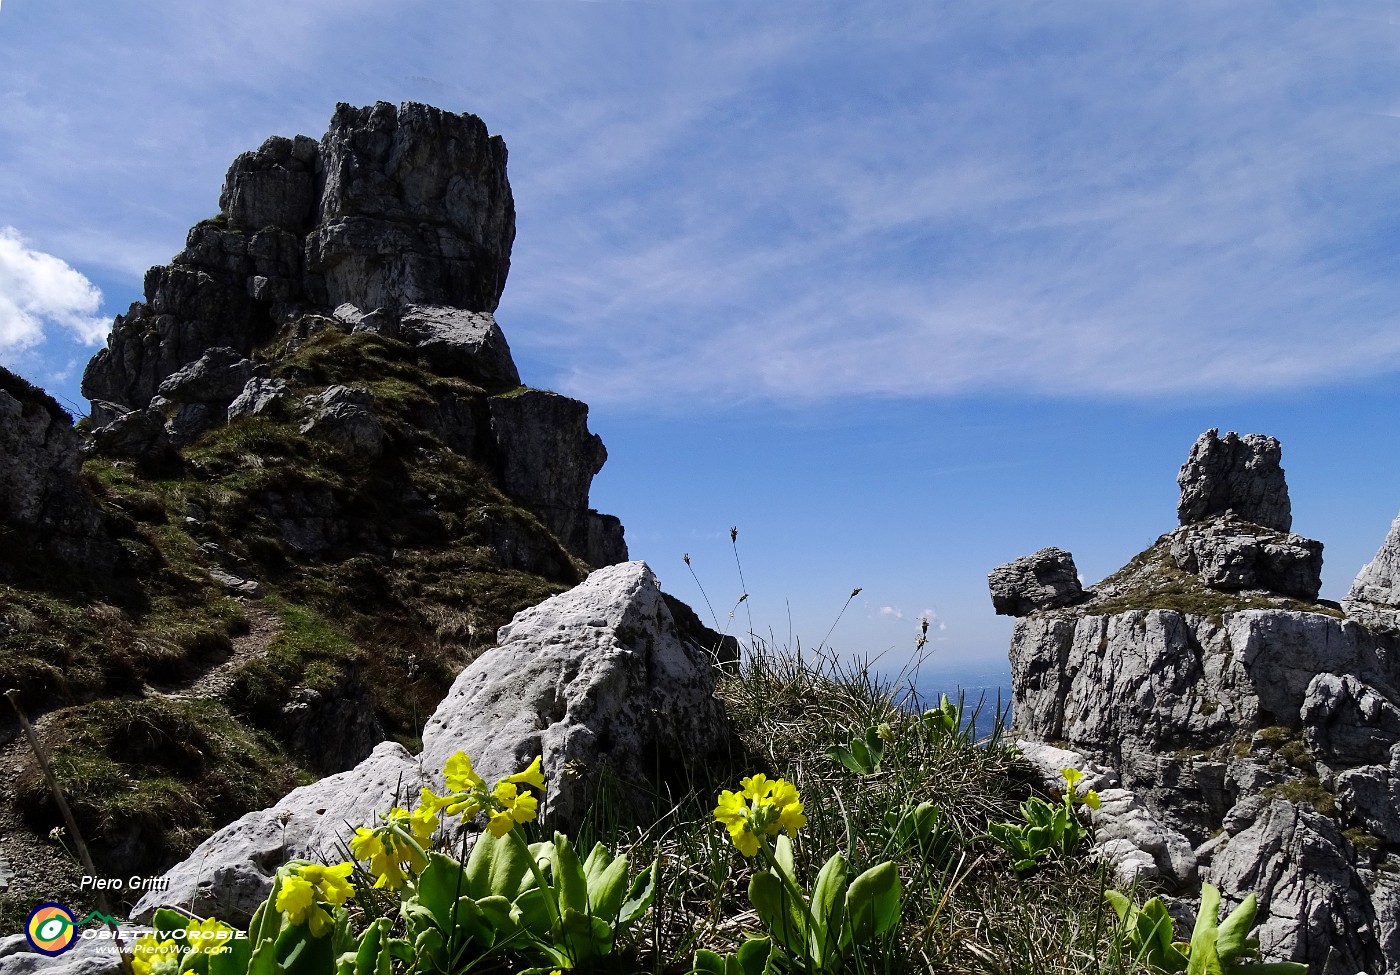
[(1231, 554), (1378, 582), (231, 872), (1045, 580), (398, 223), (599, 681), (43, 508), (1258, 723), (1235, 474)]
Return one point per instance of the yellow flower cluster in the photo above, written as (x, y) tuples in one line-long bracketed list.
[(762, 807), (505, 805), (151, 956), (1072, 777), (401, 842), (308, 889)]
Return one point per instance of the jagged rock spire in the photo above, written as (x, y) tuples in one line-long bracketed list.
[(1235, 474)]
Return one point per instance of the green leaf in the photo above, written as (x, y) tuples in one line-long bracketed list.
[(639, 897), (234, 959), (708, 963), (533, 912), (497, 866), (167, 922), (1234, 931), (782, 919), (862, 756), (570, 884), (782, 854), (828, 907), (606, 890), (1121, 905), (872, 903), (304, 955), (438, 887), (752, 956), (1204, 958), (843, 755), (875, 747)]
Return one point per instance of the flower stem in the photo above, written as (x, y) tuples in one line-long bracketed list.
[(519, 841)]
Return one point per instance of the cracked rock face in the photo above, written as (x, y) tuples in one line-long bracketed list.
[(1235, 474), (41, 498), (1231, 554), (1379, 580), (395, 206)]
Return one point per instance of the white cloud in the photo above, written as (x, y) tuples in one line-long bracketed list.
[(891, 612), (38, 289)]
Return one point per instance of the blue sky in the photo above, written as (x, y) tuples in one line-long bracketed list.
[(902, 290)]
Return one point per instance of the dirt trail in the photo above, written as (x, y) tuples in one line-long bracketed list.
[(35, 868)]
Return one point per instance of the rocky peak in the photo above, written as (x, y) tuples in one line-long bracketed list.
[(1256, 724), (395, 206), (1378, 582), (397, 224), (1237, 475)]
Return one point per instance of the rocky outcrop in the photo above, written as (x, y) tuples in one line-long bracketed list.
[(1045, 580), (1258, 723), (598, 681), (230, 874), (1238, 475), (393, 207), (43, 507), (397, 223), (1378, 582), (414, 208), (1231, 554), (548, 462)]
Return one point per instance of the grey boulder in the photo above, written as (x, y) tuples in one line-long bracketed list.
[(230, 873), (599, 682), (257, 397), (1044, 580), (346, 415), (459, 342)]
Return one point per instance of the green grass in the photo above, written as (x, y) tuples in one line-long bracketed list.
[(964, 908), (149, 778), (1151, 580)]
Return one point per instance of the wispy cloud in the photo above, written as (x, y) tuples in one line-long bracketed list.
[(38, 290), (719, 203)]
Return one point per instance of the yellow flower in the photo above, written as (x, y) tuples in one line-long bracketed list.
[(151, 956), (209, 936), (763, 807), (308, 888), (1091, 799), (756, 786), (459, 774), (532, 776), (512, 806), (366, 844), (791, 818)]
